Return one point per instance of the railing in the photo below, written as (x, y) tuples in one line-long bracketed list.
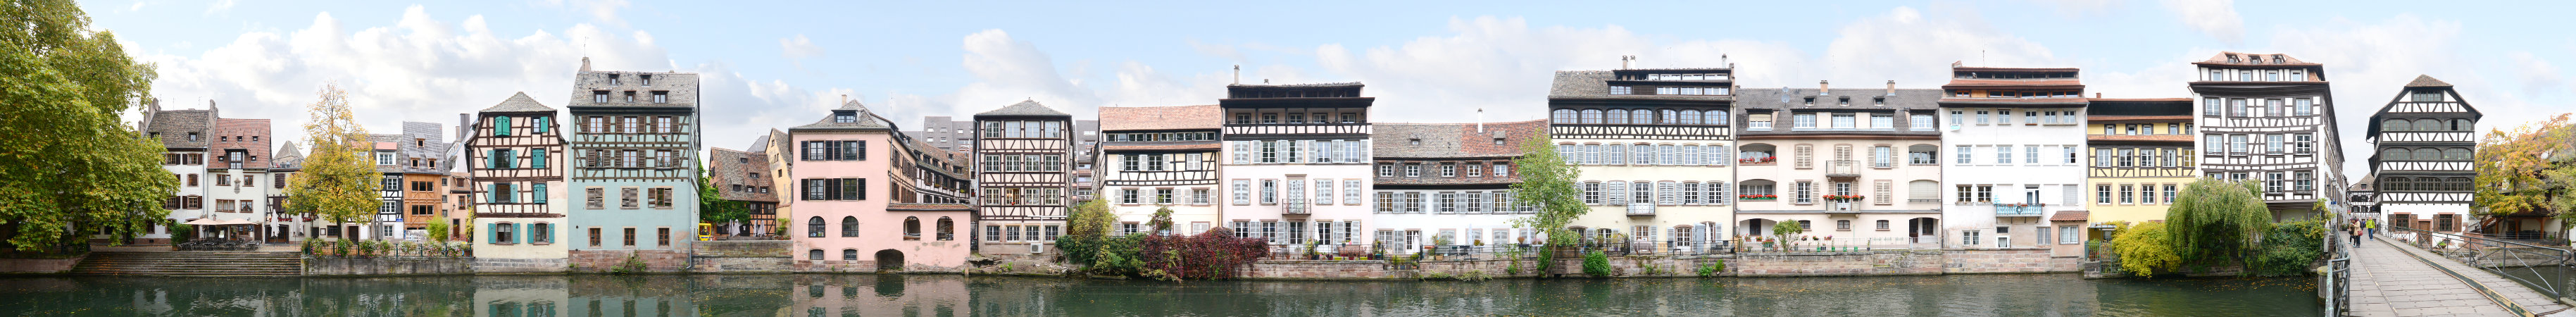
[(1294, 207), (1820, 244), (1842, 206), (1844, 168), (2541, 268), (2020, 210), (2336, 284), (1641, 209)]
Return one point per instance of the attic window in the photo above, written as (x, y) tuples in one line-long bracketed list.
[(419, 142), (845, 118), (192, 137), (1415, 141), (644, 80), (1498, 141), (2278, 59), (612, 79), (2231, 58)]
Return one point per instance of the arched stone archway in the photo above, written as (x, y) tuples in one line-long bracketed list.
[(889, 260)]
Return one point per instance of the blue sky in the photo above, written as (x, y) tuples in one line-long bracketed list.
[(774, 65)]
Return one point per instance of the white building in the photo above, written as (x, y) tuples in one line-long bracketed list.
[(2270, 118), (2014, 135), (1296, 159), (1654, 147)]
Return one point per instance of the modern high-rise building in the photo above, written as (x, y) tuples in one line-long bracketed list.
[(516, 160), (1654, 147), (2270, 118), (1025, 173), (2423, 143), (2016, 133), (1297, 159), (637, 184)]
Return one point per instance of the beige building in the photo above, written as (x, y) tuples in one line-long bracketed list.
[(1858, 165)]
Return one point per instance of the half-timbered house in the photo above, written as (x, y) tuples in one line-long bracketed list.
[(1297, 159), (744, 177), (516, 159), (1856, 164), (1160, 158), (2016, 132), (2423, 142), (2140, 156), (2269, 118), (636, 184), (1653, 145), (1449, 182), (1024, 175)]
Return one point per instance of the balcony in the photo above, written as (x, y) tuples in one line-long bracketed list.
[(1842, 207), (2020, 210), (1641, 209), (1842, 169), (1295, 207)]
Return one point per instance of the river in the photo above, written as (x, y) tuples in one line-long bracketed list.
[(951, 295)]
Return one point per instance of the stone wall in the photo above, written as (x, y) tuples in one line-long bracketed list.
[(608, 260), (2022, 260), (1320, 270), (1869, 263), (499, 265), (386, 265), (1768, 264), (39, 265), (742, 256)]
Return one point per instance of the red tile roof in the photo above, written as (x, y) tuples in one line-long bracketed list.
[(2136, 118), (2071, 215), (1161, 118)]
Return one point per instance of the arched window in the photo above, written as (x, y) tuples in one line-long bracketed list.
[(2393, 155), (2396, 125), (2427, 154), (912, 228), (849, 254), (1669, 117), (2455, 154), (849, 226), (1591, 116), (2462, 125), (814, 229), (1618, 116), (815, 254), (944, 225), (2428, 125), (1642, 116), (1563, 116), (1690, 117)]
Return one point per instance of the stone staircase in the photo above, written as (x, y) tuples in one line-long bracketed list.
[(193, 263)]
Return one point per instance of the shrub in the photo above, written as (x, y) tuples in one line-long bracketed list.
[(1596, 264), (631, 265), (1712, 269), (180, 233), (2289, 249), (2146, 249)]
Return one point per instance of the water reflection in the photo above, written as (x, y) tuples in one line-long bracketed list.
[(948, 295)]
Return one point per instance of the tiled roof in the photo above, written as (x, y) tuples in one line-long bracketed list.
[(236, 129), (2014, 82), (288, 156), (1340, 84), (1450, 140), (519, 103), (866, 120), (1024, 108), (2141, 99), (1596, 84), (2427, 81), (1763, 100), (734, 168), (2071, 215), (1161, 118), (2012, 69), (174, 126)]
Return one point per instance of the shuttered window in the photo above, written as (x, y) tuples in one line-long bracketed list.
[(501, 126), (1924, 190), (537, 158)]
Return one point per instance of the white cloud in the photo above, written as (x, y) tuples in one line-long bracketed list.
[(219, 6), (2217, 18), (138, 6), (2370, 62), (798, 48), (2537, 74), (604, 11)]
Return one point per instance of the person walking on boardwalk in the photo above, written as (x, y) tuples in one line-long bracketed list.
[(2373, 226), (2356, 234)]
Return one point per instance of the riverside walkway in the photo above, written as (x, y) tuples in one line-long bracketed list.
[(2394, 280)]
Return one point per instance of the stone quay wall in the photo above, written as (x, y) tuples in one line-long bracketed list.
[(608, 260), (39, 265), (498, 265), (386, 265), (769, 256), (1766, 264)]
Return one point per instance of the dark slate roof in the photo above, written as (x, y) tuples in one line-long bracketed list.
[(287, 156), (174, 126), (519, 103), (1450, 140), (1596, 84), (2427, 81), (1909, 101), (1024, 108), (759, 144), (866, 120)]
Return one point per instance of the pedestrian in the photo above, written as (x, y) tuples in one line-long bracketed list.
[(2356, 235), (2373, 225)]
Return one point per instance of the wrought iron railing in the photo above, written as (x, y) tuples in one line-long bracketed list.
[(1641, 209), (2013, 210), (2336, 284), (2543, 269), (1294, 207)]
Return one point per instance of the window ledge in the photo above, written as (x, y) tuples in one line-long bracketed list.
[(540, 243)]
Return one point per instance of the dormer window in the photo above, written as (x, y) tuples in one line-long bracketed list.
[(612, 79), (419, 142), (2279, 59), (644, 80), (1414, 141), (2231, 58), (661, 97), (845, 118), (192, 137), (599, 96), (630, 96), (1620, 90), (1498, 141)]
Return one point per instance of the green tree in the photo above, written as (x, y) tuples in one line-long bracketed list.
[(2146, 249), (713, 208), (339, 177), (1547, 184), (1089, 220), (438, 228), (1162, 221), (2215, 222), (68, 165), (2531, 169)]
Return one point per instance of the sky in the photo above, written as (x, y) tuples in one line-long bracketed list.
[(778, 65)]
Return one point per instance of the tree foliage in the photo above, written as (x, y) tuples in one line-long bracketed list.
[(1089, 219), (2214, 221), (69, 166), (339, 177), (713, 208), (1162, 221), (2530, 169), (1547, 185), (2146, 249), (2289, 249)]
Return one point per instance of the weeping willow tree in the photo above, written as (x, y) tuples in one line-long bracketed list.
[(2216, 222)]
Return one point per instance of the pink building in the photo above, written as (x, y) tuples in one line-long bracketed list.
[(867, 198)]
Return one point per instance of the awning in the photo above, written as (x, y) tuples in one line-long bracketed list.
[(235, 222), (2071, 215), (203, 222)]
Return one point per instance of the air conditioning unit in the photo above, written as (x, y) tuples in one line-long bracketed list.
[(1036, 248)]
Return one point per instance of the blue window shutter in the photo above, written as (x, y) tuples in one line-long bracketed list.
[(492, 159), (538, 195), (496, 234), (501, 126), (542, 123), (539, 160), (495, 196)]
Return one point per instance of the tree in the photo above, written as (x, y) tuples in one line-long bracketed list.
[(1547, 184), (1162, 221), (2531, 169), (68, 165), (437, 228), (2213, 221), (2145, 249), (713, 208), (1091, 219), (339, 177)]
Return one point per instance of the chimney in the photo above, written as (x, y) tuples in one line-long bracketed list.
[(585, 63), (2097, 95), (1891, 87), (1238, 74), (1721, 60), (1824, 87), (464, 126), (1480, 120)]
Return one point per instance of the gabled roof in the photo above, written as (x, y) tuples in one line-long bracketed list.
[(174, 126), (1451, 140), (865, 120), (519, 103), (1161, 118), (2427, 81), (1024, 108), (288, 155)]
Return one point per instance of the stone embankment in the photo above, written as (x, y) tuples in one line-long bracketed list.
[(1758, 264)]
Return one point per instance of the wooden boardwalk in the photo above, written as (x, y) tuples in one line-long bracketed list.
[(2393, 280)]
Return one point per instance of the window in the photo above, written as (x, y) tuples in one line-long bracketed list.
[(1269, 191), (1843, 121), (1882, 157), (1806, 192), (2003, 154), (2236, 143), (1804, 121)]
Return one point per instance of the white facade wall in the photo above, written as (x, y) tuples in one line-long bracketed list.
[(1666, 212), (181, 172), (1471, 217), (1245, 204), (2040, 163)]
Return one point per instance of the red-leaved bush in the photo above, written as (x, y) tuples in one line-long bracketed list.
[(1214, 254)]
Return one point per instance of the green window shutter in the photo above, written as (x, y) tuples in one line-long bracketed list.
[(539, 160), (496, 234), (492, 159), (495, 196), (538, 195), (542, 123), (501, 126)]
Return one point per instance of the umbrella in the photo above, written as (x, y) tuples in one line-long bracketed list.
[(234, 222), (203, 222)]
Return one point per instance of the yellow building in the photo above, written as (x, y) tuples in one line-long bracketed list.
[(2141, 156)]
